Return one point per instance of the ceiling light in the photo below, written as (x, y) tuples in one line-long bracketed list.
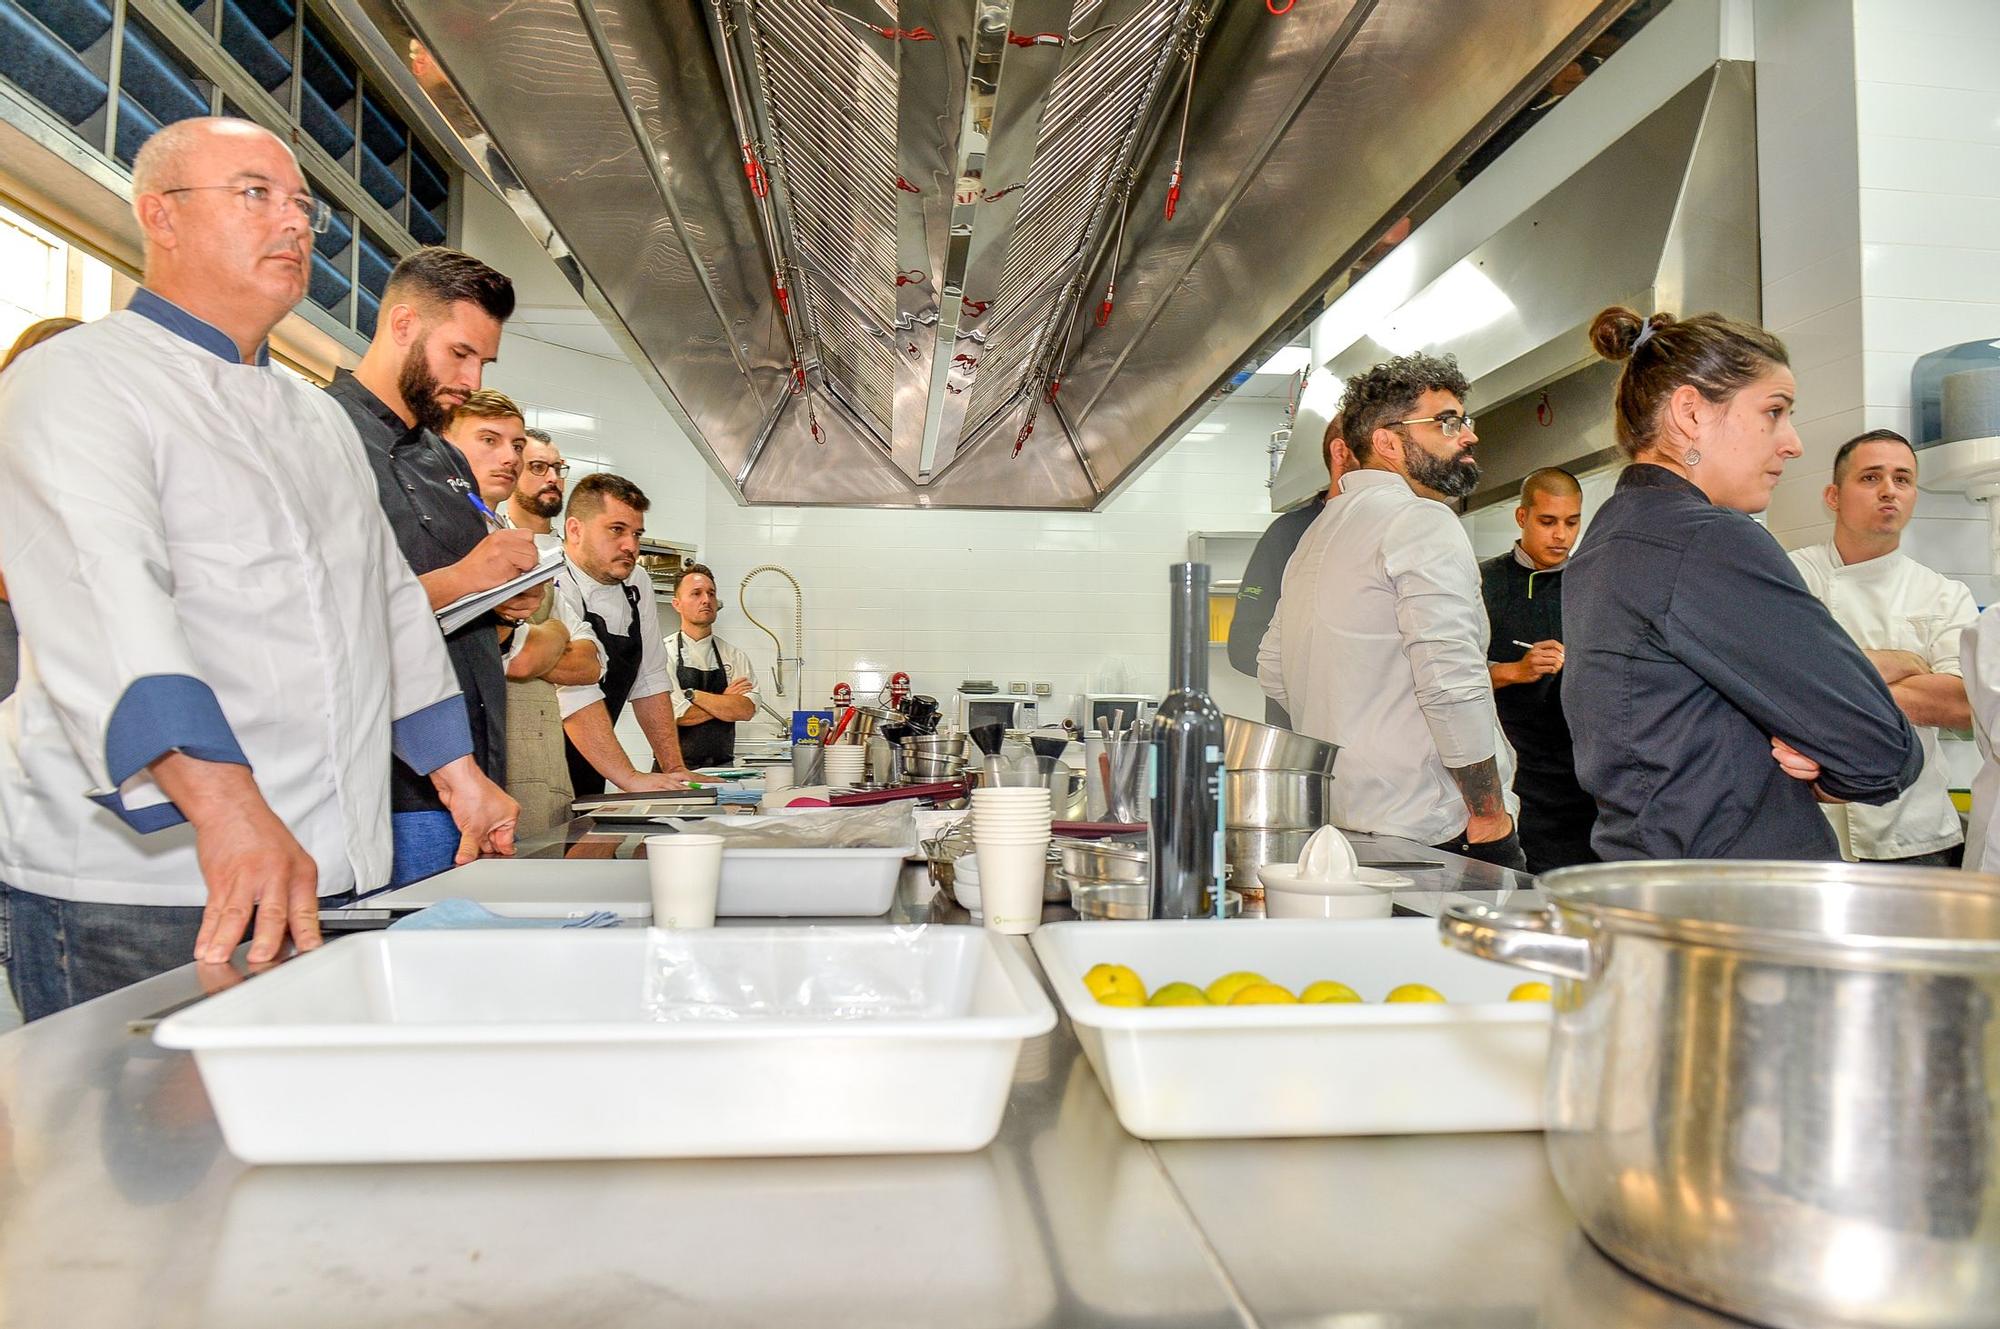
[(1463, 299), (1286, 360)]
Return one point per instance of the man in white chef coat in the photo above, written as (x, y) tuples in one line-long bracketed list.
[(1379, 642), (220, 642), (604, 585), (1907, 619)]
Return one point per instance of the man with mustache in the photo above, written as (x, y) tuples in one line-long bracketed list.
[(439, 327), (1523, 589), (1379, 643), (221, 642), (1907, 620)]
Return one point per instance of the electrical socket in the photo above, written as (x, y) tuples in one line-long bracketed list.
[(1017, 689), (1044, 690)]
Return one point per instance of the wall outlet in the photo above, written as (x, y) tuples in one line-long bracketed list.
[(1044, 690), (1017, 689)]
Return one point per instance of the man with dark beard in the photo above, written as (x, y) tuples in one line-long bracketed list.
[(1379, 643), (439, 327)]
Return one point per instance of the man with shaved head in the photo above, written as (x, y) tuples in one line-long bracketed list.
[(1523, 591), (221, 643)]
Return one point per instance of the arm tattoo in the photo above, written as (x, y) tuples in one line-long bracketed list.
[(1479, 784)]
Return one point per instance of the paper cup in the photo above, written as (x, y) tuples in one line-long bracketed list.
[(777, 779), (1010, 884), (686, 872)]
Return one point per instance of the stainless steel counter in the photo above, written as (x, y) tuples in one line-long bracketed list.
[(120, 1207)]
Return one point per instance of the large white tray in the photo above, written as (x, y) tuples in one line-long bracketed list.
[(1199, 1072), (451, 1046), (756, 883)]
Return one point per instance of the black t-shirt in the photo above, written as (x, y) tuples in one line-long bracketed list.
[(1523, 604), (424, 486)]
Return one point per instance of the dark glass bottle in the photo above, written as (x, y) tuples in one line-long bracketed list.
[(1187, 743)]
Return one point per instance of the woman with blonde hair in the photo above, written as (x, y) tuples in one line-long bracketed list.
[(1712, 699)]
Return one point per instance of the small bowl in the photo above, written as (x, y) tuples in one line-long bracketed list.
[(1367, 895)]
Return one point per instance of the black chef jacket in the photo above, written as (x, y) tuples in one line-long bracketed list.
[(1692, 642), (1524, 603), (423, 483), (1257, 597)]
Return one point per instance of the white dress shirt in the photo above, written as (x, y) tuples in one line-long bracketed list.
[(198, 562), (1379, 645), (567, 610), (1895, 603), (577, 590), (707, 653)]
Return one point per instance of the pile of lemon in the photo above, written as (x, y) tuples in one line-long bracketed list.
[(1118, 985)]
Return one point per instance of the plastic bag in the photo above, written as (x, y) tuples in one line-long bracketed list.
[(809, 973), (880, 826)]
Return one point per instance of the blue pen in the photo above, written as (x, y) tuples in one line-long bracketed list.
[(485, 511)]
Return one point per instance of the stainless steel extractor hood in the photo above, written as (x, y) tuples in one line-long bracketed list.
[(865, 251), (1664, 218)]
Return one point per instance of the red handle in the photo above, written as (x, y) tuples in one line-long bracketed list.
[(1173, 193), (1104, 310), (753, 171)]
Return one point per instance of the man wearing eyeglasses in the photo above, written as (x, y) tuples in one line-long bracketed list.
[(1379, 644), (537, 765), (221, 644)]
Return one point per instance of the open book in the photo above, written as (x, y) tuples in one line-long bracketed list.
[(468, 607)]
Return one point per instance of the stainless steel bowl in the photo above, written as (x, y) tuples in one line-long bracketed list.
[(1107, 860), (1275, 800), (1249, 848), (1250, 746), (932, 768), (1773, 1087)]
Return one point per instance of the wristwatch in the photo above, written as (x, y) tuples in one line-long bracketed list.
[(689, 694)]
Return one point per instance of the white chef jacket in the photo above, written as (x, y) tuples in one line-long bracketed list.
[(577, 590), (1895, 603), (566, 610), (705, 654), (198, 562), (1379, 645)]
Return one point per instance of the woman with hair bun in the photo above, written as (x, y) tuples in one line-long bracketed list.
[(1713, 700)]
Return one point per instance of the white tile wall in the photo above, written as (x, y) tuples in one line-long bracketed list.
[(1076, 600)]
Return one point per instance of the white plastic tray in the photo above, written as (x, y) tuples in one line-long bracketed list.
[(455, 1046), (756, 883), (1175, 1073)]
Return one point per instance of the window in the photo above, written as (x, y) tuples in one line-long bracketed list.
[(430, 190), (377, 262), (60, 54), (333, 259), (156, 88), (326, 100), (258, 36)]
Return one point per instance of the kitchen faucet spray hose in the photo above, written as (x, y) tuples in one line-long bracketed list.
[(798, 622)]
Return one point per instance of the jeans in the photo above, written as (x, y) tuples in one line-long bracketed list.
[(426, 843), (62, 952), (1501, 853)]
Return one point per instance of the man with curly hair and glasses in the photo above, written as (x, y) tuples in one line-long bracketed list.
[(1379, 644)]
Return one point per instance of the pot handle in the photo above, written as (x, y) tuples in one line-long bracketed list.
[(1525, 937)]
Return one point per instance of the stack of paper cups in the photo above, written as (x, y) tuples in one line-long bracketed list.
[(846, 764), (1010, 835)]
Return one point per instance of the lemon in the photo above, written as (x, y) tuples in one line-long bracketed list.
[(1326, 990), (1177, 994), (1415, 992), (1104, 979), (1121, 999), (1263, 994), (1531, 992), (1223, 990)]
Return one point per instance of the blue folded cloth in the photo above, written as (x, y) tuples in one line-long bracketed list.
[(466, 914)]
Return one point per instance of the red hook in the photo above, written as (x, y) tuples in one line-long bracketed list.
[(1173, 191), (784, 296), (975, 308), (906, 186), (1272, 5), (1021, 438), (1104, 310), (910, 278), (1034, 38), (753, 171), (798, 378)]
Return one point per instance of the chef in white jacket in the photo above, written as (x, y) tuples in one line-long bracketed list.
[(220, 641)]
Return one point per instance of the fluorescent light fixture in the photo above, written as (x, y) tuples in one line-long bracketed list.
[(1463, 299), (1286, 360), (1206, 429)]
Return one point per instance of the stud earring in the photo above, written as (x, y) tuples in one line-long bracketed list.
[(1694, 457)]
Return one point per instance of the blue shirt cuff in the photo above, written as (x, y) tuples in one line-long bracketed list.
[(427, 739), (158, 714)]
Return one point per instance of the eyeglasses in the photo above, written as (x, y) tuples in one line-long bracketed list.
[(1449, 423), (259, 200), (561, 468)]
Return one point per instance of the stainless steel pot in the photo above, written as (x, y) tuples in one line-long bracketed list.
[(1249, 746), (1248, 848), (1275, 800), (1774, 1088), (1107, 860)]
